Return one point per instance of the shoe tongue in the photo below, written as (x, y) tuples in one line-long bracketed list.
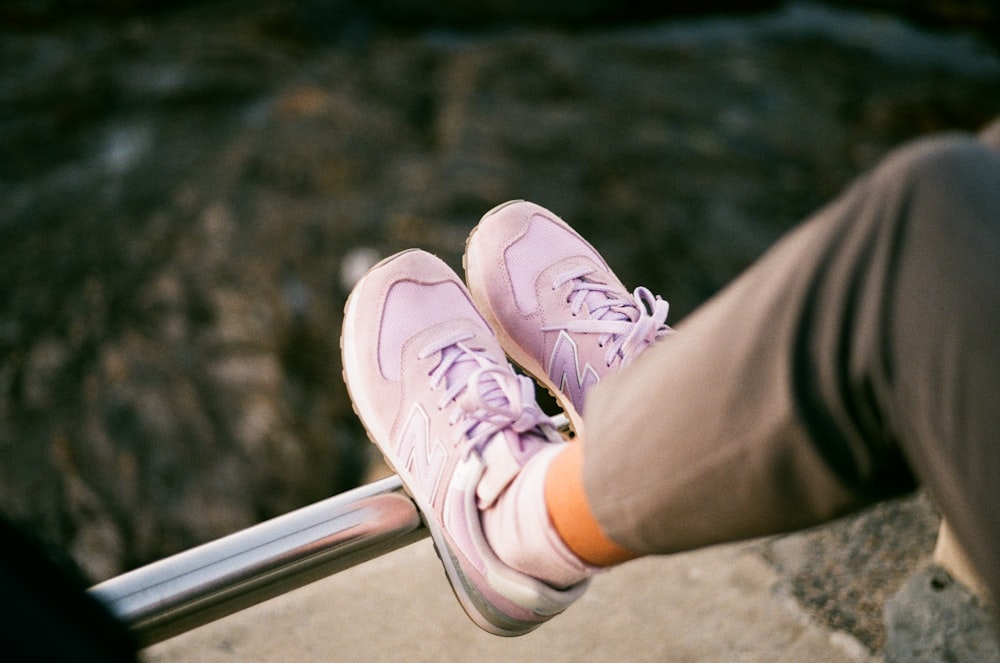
[(504, 456)]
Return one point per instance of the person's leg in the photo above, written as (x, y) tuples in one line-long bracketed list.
[(780, 404), (948, 553), (863, 345), (951, 383)]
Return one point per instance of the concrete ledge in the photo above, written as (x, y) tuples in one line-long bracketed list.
[(712, 605)]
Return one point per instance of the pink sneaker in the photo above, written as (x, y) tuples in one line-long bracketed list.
[(437, 395), (554, 304)]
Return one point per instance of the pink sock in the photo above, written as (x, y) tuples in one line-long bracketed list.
[(519, 531)]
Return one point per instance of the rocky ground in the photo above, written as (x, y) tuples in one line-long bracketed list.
[(186, 195)]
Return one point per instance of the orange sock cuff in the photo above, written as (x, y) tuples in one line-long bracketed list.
[(571, 515)]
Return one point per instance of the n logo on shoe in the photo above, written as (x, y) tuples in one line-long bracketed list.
[(422, 460), (564, 370)]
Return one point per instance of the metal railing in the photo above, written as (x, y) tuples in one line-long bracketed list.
[(200, 585), (211, 581)]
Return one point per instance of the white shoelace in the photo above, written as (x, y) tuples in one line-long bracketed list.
[(625, 334), (491, 398)]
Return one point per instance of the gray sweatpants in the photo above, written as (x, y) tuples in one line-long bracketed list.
[(857, 358)]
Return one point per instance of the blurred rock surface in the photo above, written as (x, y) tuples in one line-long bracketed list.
[(186, 190), (933, 618)]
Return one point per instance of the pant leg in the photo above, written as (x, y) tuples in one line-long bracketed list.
[(858, 355)]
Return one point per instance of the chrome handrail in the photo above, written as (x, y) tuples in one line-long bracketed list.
[(200, 585)]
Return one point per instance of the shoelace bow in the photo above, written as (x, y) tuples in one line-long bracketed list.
[(490, 397), (621, 332)]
